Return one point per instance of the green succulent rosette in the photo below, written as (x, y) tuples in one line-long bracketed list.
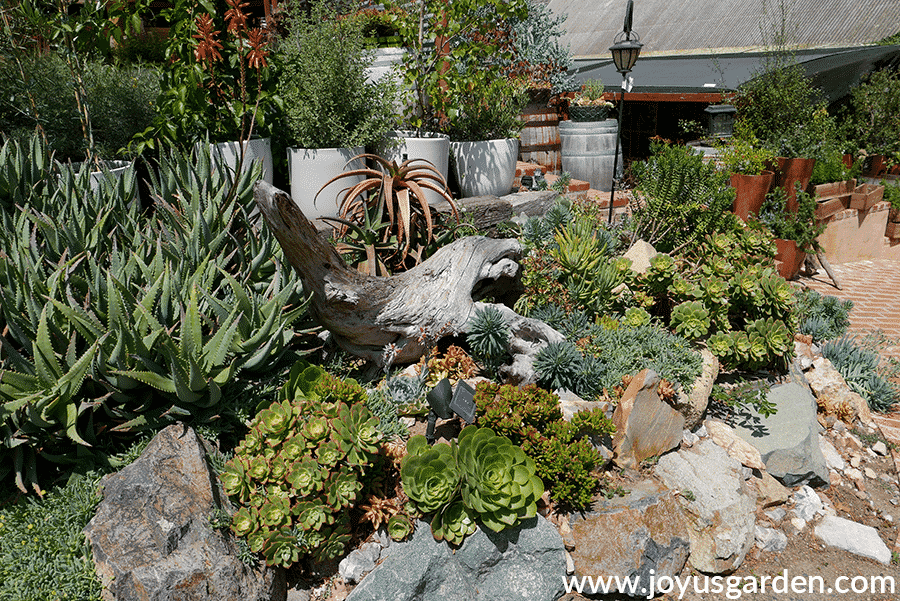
[(357, 433), (429, 474), (275, 421), (454, 523), (313, 515), (498, 479), (235, 479), (282, 548), (399, 527), (244, 521), (342, 488), (306, 477)]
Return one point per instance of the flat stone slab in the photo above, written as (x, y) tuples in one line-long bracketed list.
[(853, 537), (527, 563), (788, 441)]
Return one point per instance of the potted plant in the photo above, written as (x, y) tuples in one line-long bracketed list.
[(872, 121), (795, 232), (386, 222), (218, 88), (832, 183), (588, 138), (892, 195), (589, 104), (748, 162), (451, 49), (484, 136), (331, 109)]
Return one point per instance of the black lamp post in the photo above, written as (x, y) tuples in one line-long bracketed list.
[(625, 53)]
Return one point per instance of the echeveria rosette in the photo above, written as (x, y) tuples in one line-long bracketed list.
[(429, 474), (235, 479), (498, 479), (306, 477), (282, 548), (313, 514), (328, 453), (294, 447), (342, 488), (275, 512), (453, 523), (315, 429), (357, 433), (244, 521), (258, 468), (274, 422), (334, 545), (399, 527)]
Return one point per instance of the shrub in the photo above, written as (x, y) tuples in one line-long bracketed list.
[(301, 467), (682, 198)]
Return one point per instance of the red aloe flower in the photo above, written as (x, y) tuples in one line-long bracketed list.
[(209, 46), (235, 16), (256, 58)]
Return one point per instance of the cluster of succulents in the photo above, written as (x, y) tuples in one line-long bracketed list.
[(562, 451), (481, 477), (300, 468)]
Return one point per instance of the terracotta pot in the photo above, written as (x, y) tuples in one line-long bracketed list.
[(788, 258), (894, 170), (892, 230), (791, 171), (847, 159), (750, 192), (874, 165)]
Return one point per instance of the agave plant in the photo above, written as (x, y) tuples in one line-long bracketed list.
[(400, 192)]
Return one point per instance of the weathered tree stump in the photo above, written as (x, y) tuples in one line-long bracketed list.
[(366, 313)]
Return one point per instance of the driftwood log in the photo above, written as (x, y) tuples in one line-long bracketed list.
[(364, 313)]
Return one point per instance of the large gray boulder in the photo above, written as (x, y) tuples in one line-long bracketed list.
[(640, 535), (151, 537), (720, 510), (519, 564), (788, 441)]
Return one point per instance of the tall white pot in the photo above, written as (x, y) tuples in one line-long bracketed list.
[(311, 168), (485, 168), (256, 150), (401, 145)]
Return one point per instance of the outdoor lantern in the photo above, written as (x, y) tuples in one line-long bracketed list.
[(721, 120), (625, 51)]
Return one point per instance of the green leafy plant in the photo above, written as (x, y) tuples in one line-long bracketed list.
[(801, 226), (745, 394), (563, 454), (327, 100), (489, 112), (823, 317), (872, 122), (744, 153), (682, 198), (300, 468), (467, 57)]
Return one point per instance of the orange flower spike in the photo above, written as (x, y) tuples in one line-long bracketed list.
[(209, 46), (256, 58), (235, 16)]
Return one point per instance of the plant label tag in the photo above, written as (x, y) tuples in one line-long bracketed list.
[(463, 402), (628, 83)]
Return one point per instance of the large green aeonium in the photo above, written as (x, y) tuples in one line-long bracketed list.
[(429, 474), (498, 479)]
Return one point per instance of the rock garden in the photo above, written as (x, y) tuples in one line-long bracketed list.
[(228, 374)]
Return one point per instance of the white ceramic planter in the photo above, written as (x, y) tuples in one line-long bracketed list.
[(402, 145), (485, 168), (259, 149), (309, 169), (115, 169)]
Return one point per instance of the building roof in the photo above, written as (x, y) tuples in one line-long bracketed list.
[(702, 26), (704, 77)]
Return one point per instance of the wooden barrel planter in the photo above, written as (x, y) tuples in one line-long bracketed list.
[(832, 198), (539, 141), (588, 151), (750, 192)]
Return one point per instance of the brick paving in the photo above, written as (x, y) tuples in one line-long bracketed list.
[(874, 288)]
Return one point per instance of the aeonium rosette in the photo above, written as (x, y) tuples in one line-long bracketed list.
[(429, 474)]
